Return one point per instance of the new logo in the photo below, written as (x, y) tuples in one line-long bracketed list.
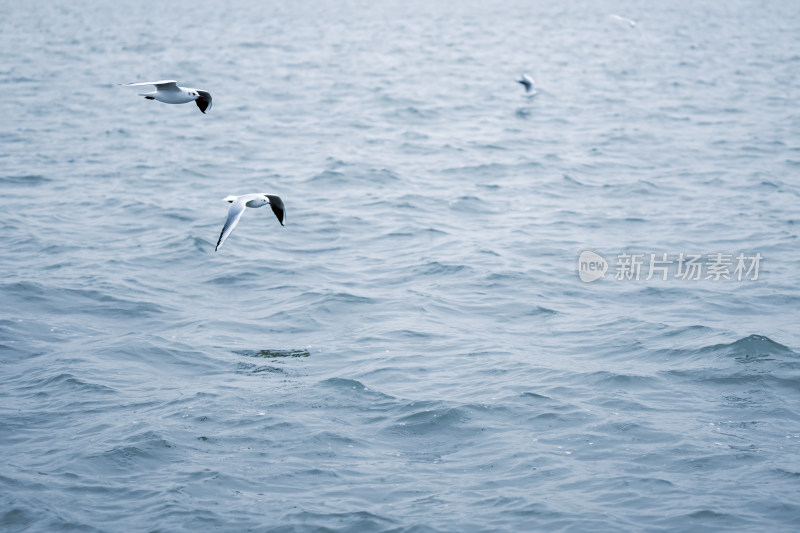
[(591, 266)]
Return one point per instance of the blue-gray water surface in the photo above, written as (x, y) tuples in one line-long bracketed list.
[(417, 349)]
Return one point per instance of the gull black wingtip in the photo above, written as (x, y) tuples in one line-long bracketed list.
[(278, 208), (204, 102)]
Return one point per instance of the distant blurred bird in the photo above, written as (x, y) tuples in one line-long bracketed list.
[(167, 91), (629, 22), (238, 205), (526, 82)]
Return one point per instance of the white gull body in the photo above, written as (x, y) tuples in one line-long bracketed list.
[(169, 92), (240, 203)]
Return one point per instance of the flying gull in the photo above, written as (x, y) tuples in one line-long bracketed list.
[(527, 82), (167, 91), (238, 205)]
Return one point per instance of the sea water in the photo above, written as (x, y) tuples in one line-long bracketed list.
[(421, 347)]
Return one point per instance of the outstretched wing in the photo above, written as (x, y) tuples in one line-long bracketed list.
[(162, 85), (234, 214), (276, 204), (204, 102)]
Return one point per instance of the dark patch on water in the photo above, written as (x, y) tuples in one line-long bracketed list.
[(274, 353), (246, 368)]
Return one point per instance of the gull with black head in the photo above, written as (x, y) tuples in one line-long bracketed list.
[(169, 92), (240, 203)]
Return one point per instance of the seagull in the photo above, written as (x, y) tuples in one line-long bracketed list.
[(527, 82), (629, 22), (167, 91), (239, 203)]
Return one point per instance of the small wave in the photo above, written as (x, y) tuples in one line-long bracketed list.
[(145, 450), (708, 515), (539, 311), (347, 521), (17, 519), (791, 474), (355, 389), (433, 420), (248, 368), (492, 169), (626, 380), (27, 179), (234, 278), (569, 179), (74, 383), (158, 351), (414, 113), (435, 268), (344, 384), (256, 45), (81, 301), (535, 396), (524, 112), (334, 302), (752, 347), (330, 440), (273, 353), (377, 176), (9, 352), (469, 204), (410, 334), (747, 349), (328, 176)]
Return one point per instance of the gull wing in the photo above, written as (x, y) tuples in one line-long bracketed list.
[(277, 206), (234, 214), (204, 102), (162, 85)]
